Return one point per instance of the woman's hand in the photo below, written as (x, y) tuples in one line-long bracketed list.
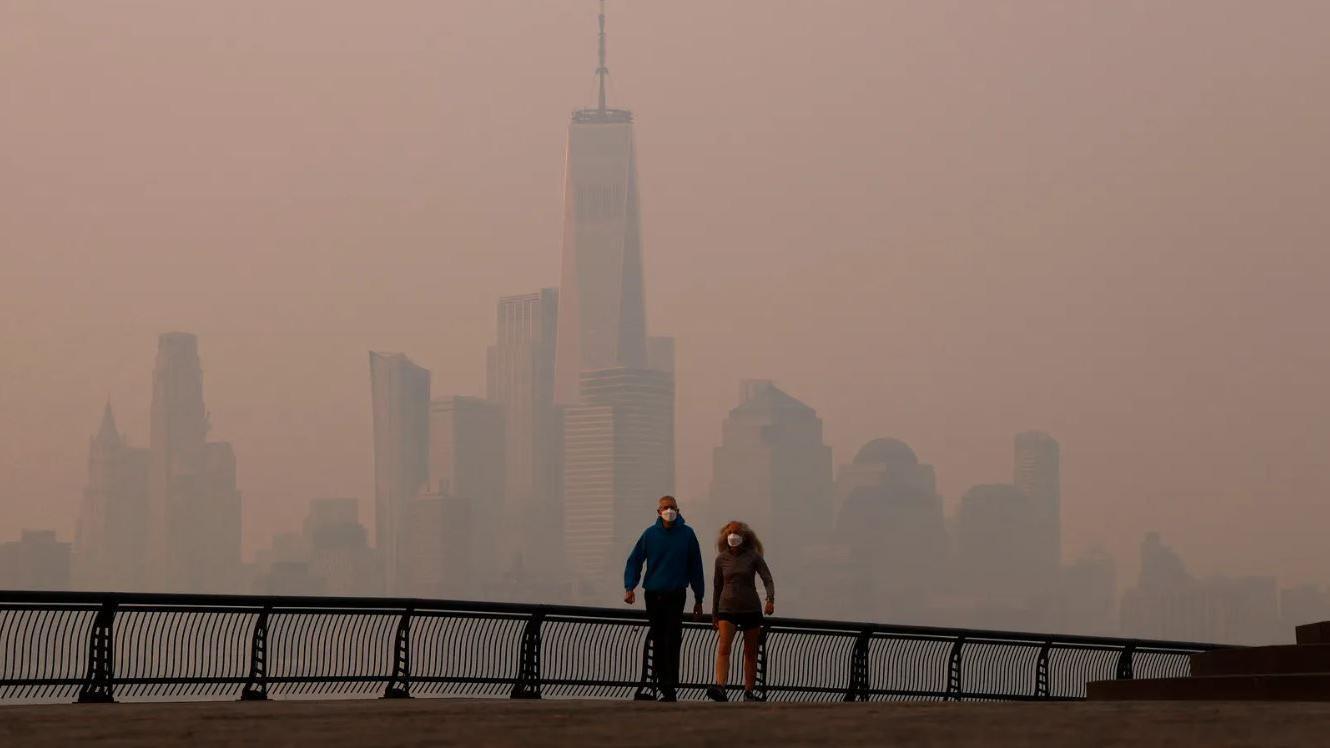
[(771, 607), (715, 624)]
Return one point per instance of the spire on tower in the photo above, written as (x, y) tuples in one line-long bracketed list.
[(601, 113), (108, 433), (602, 71)]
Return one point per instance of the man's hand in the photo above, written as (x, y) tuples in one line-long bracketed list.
[(771, 607), (697, 610), (629, 597)]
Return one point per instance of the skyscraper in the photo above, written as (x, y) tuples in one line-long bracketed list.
[(890, 518), (602, 315), (1169, 603), (193, 505), (773, 471), (339, 551), (618, 458), (111, 535), (997, 558), (399, 392), (520, 377), (466, 462), (615, 389), (36, 561), (435, 546), (1036, 471)]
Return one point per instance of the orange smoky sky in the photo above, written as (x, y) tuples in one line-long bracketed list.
[(944, 221)]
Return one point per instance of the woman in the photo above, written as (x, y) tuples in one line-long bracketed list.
[(735, 605)]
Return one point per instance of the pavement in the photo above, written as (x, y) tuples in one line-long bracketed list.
[(448, 722)]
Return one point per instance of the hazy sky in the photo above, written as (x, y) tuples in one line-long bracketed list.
[(941, 220)]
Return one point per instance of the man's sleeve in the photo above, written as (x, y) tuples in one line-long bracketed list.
[(696, 577), (632, 572)]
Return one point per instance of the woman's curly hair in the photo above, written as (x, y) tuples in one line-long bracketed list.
[(740, 528)]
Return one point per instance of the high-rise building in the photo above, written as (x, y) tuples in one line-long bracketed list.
[(111, 534), (1089, 596), (773, 471), (890, 517), (521, 378), (400, 400), (998, 560), (1169, 603), (338, 547), (283, 567), (436, 547), (330, 556), (615, 387), (466, 463), (660, 353), (193, 541), (1037, 472), (602, 311), (618, 459), (36, 561)]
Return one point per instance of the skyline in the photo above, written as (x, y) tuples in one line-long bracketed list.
[(923, 401)]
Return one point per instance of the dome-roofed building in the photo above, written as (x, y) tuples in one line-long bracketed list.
[(886, 451), (890, 517), (880, 462)]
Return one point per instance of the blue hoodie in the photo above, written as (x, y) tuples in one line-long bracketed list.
[(673, 559)]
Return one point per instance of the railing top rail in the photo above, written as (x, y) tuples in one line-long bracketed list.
[(257, 603)]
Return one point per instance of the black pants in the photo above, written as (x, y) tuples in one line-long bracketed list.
[(665, 614)]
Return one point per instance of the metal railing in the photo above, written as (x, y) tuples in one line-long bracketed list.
[(97, 647)]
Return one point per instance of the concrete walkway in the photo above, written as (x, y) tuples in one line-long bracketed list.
[(605, 723)]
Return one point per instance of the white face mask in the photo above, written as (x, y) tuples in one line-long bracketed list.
[(669, 515), (734, 540)]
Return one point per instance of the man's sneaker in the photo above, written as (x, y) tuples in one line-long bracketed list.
[(752, 696), (668, 696), (716, 693)]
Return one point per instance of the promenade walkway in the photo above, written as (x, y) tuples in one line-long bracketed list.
[(460, 722)]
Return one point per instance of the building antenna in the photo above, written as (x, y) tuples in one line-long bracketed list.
[(602, 71)]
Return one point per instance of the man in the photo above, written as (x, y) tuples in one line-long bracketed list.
[(674, 563)]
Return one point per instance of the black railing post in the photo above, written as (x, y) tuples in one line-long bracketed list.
[(648, 687), (954, 669), (857, 690), (1041, 672), (528, 668), (98, 685), (760, 684), (256, 687), (1125, 671), (399, 686)]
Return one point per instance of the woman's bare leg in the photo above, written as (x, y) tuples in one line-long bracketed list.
[(724, 641), (751, 638)]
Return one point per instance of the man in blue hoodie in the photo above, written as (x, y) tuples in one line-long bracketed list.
[(674, 563)]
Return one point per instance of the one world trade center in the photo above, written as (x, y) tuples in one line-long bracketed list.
[(614, 385)]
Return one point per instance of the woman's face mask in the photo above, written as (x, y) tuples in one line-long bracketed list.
[(669, 515), (734, 539)]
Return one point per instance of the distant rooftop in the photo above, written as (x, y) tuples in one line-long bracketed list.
[(602, 116), (887, 452)]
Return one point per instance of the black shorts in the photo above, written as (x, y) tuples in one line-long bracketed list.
[(743, 621)]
